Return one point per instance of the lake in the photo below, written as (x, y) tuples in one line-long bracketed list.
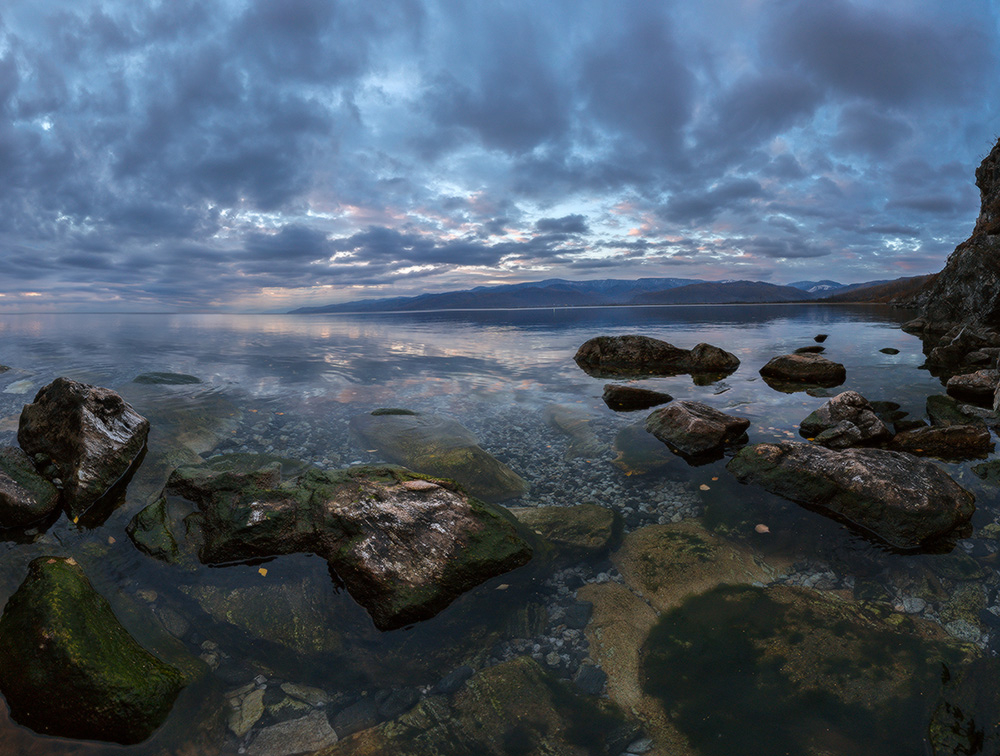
[(289, 385)]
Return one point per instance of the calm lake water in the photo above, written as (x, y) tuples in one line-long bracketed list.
[(288, 385)]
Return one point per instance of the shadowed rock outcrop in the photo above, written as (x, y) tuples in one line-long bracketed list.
[(847, 419), (967, 291)]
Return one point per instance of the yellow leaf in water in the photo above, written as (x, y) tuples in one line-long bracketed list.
[(703, 487), (70, 560), (762, 528), (715, 478), (111, 540), (262, 571)]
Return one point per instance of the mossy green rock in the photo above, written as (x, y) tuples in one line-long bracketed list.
[(438, 446), (946, 410), (25, 496), (786, 671), (512, 708), (67, 666), (405, 545), (579, 532), (150, 532)]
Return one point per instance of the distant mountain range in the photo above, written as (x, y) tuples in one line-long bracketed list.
[(557, 292)]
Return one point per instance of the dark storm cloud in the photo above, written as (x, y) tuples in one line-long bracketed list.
[(193, 154), (890, 56)]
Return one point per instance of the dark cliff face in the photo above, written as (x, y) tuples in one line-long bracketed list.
[(968, 289)]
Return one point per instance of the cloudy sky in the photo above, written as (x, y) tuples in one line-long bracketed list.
[(265, 154)]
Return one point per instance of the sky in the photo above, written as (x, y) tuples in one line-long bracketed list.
[(260, 155)]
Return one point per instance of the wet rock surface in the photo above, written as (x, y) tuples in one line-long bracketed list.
[(794, 371), (25, 496), (68, 667), (847, 419), (630, 398), (948, 442), (438, 446), (978, 387), (405, 545), (90, 435), (904, 500), (694, 428), (636, 356)]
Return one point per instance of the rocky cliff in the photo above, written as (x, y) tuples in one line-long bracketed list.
[(967, 291)]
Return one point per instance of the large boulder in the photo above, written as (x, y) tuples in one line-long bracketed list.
[(978, 387), (792, 371), (404, 545), (947, 442), (67, 666), (694, 428), (634, 356), (438, 446), (25, 496), (847, 419), (904, 500), (90, 435)]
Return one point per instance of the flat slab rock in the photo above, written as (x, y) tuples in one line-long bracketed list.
[(628, 398), (978, 387), (694, 428), (91, 435), (905, 500), (404, 545), (946, 442)]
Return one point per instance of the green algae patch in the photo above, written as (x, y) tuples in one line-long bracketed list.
[(763, 672), (150, 531), (68, 667)]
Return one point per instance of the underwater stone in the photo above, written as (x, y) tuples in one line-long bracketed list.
[(67, 666)]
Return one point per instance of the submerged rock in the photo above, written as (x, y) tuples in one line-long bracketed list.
[(946, 410), (91, 436), (793, 371), (25, 496), (847, 419), (575, 424), (628, 398), (636, 356), (694, 428), (167, 379), (906, 501), (513, 708), (150, 531), (68, 668), (578, 532), (405, 545), (438, 446), (795, 669)]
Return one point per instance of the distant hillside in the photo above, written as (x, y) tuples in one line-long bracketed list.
[(818, 288), (724, 293), (899, 290), (553, 292)]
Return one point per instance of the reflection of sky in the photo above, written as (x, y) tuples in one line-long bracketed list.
[(498, 356)]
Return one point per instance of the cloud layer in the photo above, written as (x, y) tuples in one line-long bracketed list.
[(267, 154)]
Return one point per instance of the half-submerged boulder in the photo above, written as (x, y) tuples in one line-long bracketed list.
[(90, 435), (25, 496), (438, 446), (906, 501), (636, 356), (694, 428), (848, 419), (405, 545), (67, 666), (946, 442), (794, 372)]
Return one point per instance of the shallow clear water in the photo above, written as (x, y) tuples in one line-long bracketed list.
[(289, 385)]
